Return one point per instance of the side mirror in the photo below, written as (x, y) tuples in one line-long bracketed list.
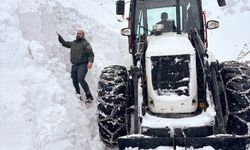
[(213, 24), (221, 2), (120, 5), (126, 32)]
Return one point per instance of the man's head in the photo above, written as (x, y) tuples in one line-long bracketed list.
[(80, 35), (164, 16)]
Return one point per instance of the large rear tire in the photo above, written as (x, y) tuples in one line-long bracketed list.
[(112, 103), (236, 78)]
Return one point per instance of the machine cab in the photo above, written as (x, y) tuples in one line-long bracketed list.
[(156, 30), (170, 67)]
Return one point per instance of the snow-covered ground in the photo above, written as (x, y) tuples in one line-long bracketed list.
[(232, 39), (38, 107)]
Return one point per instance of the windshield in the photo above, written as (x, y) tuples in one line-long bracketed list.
[(166, 12), (156, 16)]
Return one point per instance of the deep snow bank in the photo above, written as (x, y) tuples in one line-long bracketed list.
[(231, 41), (38, 108)]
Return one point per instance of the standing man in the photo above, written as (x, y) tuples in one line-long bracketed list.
[(82, 58)]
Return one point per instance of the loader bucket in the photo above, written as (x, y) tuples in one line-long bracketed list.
[(217, 142)]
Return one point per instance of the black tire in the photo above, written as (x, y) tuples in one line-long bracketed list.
[(112, 104), (236, 78)]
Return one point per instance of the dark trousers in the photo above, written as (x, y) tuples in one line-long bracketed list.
[(78, 73)]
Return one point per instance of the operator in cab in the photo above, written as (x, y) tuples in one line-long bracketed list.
[(165, 24)]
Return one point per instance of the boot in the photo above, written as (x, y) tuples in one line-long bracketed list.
[(89, 98), (79, 96)]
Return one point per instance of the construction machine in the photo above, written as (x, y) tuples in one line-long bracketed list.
[(175, 93)]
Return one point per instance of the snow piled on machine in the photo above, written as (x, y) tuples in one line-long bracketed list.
[(171, 45), (205, 118)]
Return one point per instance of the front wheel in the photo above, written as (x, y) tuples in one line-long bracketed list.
[(236, 78), (112, 104)]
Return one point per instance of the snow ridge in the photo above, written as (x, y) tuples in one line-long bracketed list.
[(38, 108)]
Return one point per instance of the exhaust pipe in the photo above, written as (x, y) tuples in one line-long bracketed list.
[(221, 2)]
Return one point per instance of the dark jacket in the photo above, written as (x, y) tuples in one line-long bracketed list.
[(81, 51), (169, 26)]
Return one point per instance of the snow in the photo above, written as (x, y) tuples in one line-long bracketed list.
[(205, 118), (233, 35), (171, 45), (38, 107)]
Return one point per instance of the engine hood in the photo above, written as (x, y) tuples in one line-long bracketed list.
[(169, 44)]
